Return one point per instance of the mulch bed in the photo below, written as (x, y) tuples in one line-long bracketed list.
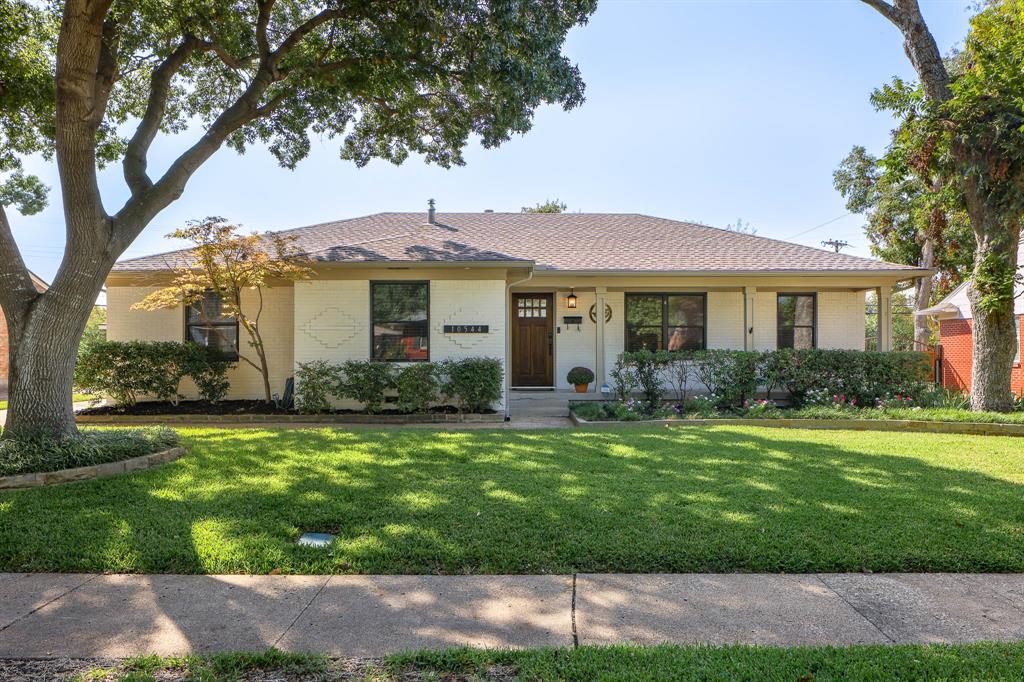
[(224, 407)]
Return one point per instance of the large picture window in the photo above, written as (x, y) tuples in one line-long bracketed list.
[(797, 323), (399, 318), (665, 321), (208, 324)]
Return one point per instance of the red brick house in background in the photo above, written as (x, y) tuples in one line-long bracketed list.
[(4, 359), (955, 335)]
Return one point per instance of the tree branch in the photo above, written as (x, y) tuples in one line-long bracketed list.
[(17, 290), (262, 21), (302, 31), (884, 8), (225, 56), (106, 70), (919, 44), (134, 162), (143, 207)]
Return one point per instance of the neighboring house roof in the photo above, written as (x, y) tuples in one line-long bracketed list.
[(38, 281), (957, 306), (571, 242)]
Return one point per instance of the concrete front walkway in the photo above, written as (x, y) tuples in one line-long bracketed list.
[(46, 615)]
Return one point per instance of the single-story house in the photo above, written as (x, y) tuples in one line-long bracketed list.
[(541, 292), (5, 360), (956, 335)]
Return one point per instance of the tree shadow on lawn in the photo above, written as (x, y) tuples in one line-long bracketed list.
[(628, 500)]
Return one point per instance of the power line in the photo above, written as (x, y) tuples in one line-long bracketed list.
[(827, 222)]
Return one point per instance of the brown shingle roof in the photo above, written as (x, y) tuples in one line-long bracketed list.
[(554, 241)]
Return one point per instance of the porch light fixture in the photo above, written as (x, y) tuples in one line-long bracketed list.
[(570, 300)]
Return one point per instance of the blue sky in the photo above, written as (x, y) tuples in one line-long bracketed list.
[(702, 110)]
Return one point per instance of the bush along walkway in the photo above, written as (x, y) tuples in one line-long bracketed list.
[(369, 616)]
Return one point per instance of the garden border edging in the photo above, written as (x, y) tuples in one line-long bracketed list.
[(327, 419), (917, 426), (92, 471)]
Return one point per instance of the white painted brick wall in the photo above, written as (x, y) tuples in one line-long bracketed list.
[(125, 324), (841, 320), (574, 346), (725, 320), (332, 320)]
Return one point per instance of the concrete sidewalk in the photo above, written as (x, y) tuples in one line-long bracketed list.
[(46, 615)]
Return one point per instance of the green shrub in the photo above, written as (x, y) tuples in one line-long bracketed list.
[(474, 383), (418, 387), (646, 368), (629, 411), (130, 370), (366, 382), (677, 368), (591, 411), (89, 447), (208, 369), (579, 376), (860, 378), (623, 379), (731, 376), (316, 383)]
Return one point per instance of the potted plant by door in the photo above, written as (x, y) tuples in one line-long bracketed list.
[(580, 377)]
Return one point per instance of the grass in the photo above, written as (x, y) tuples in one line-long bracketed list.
[(649, 499), (77, 398), (91, 446), (990, 661), (223, 667)]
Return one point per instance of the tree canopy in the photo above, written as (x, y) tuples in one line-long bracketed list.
[(549, 206), (95, 82), (902, 211)]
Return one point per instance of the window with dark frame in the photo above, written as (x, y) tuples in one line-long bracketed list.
[(208, 324), (399, 319), (671, 322), (797, 321)]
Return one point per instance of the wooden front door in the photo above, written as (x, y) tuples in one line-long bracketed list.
[(533, 318)]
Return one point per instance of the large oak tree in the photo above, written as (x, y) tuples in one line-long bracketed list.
[(968, 125), (93, 82)]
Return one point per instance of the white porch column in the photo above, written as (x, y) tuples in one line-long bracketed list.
[(599, 376), (749, 299), (884, 318)]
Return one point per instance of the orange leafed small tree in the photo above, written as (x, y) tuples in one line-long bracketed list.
[(227, 263)]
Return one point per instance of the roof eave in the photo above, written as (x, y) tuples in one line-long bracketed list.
[(867, 272)]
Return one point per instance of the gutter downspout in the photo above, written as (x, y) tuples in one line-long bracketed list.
[(508, 341)]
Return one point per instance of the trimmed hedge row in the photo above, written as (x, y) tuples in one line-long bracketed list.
[(472, 384), (732, 378), (129, 370)]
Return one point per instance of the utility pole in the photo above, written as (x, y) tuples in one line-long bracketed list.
[(835, 244)]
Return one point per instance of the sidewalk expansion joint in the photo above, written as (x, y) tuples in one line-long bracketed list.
[(575, 634), (45, 604), (299, 615), (1012, 603), (860, 613)]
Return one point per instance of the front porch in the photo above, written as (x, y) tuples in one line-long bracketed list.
[(535, 403)]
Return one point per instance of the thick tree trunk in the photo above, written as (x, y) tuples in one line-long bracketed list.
[(994, 332), (923, 296), (43, 349)]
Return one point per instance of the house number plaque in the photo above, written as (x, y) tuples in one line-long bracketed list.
[(466, 329)]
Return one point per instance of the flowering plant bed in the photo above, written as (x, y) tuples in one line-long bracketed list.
[(769, 413)]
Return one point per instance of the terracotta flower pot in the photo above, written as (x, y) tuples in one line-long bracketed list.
[(581, 388)]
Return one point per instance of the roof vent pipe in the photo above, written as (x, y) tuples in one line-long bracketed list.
[(431, 212)]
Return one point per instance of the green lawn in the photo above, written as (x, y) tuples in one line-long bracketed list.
[(679, 499), (586, 664)]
